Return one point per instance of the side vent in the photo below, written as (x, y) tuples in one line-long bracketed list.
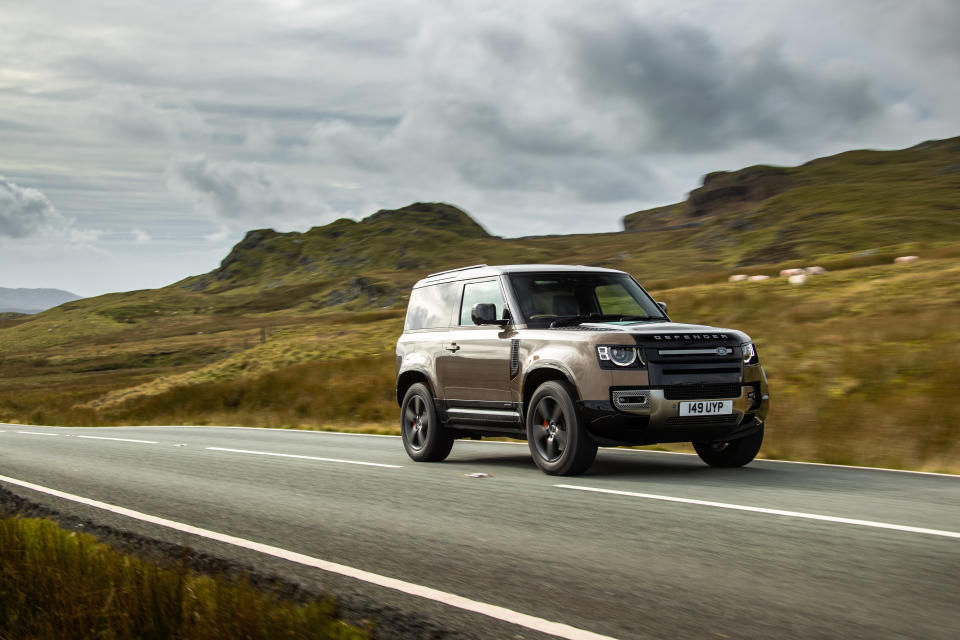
[(514, 358)]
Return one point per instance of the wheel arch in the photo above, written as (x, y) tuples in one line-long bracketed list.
[(409, 378), (544, 373)]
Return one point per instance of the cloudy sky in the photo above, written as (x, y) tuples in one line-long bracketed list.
[(140, 140)]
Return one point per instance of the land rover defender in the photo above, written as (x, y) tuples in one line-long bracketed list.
[(569, 358)]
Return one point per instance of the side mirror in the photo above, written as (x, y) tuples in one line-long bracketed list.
[(486, 313), (663, 306)]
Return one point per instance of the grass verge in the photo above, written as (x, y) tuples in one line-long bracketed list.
[(60, 584)]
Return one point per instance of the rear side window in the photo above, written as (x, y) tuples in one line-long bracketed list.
[(477, 292), (431, 307)]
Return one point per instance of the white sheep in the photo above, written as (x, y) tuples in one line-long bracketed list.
[(906, 259), (814, 271), (786, 273), (737, 278), (757, 278), (797, 278)]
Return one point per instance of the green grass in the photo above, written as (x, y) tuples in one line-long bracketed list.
[(59, 585)]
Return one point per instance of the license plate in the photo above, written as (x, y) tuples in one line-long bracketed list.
[(706, 408)]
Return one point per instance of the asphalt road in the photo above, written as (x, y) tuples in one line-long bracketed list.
[(657, 546)]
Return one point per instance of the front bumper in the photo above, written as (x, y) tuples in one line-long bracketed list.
[(620, 419)]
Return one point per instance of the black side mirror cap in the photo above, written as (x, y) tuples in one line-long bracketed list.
[(486, 313)]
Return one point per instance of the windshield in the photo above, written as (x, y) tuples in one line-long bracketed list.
[(554, 299)]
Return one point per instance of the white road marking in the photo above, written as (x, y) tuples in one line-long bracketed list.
[(557, 629), (850, 466), (381, 435), (292, 455), (775, 512), (274, 429), (775, 461), (119, 439), (37, 433)]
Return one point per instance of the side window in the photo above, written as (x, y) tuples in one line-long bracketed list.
[(431, 307), (614, 299), (477, 292)]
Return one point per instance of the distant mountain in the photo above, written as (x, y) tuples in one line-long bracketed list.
[(33, 300)]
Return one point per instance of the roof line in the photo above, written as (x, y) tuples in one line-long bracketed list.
[(473, 266)]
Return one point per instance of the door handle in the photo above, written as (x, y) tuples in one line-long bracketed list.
[(453, 347)]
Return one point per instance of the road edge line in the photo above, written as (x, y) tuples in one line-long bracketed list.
[(775, 512), (534, 623)]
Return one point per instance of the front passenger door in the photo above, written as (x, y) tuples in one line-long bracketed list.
[(475, 371)]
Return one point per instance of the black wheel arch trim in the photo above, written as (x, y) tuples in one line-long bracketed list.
[(549, 366), (417, 375)]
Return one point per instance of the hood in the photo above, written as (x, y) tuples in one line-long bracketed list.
[(673, 332)]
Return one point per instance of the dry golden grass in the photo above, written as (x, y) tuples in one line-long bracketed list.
[(59, 585)]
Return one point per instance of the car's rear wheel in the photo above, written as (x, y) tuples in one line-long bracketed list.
[(558, 442), (734, 453), (424, 438)]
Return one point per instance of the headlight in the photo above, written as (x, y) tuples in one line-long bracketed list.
[(622, 356), (750, 354)]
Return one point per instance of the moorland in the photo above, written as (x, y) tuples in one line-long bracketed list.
[(297, 330)]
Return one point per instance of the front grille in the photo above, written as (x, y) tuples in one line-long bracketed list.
[(703, 391), (688, 421)]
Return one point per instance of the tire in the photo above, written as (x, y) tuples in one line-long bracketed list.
[(735, 453), (558, 442), (424, 438)]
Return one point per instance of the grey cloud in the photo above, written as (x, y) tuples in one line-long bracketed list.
[(127, 112), (677, 89), (26, 212), (241, 193)]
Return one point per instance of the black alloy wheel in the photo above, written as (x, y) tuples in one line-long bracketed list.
[(551, 439), (424, 438), (558, 442)]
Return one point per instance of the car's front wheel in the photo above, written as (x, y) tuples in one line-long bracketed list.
[(558, 442), (424, 438), (734, 453)]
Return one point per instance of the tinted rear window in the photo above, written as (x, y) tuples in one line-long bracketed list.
[(432, 307)]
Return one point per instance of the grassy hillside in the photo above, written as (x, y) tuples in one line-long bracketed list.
[(828, 205), (297, 329)]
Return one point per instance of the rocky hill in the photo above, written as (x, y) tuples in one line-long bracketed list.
[(839, 203), (400, 239)]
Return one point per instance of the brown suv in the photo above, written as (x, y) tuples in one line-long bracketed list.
[(569, 358)]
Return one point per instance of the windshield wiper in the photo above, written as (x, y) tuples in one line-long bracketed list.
[(569, 321)]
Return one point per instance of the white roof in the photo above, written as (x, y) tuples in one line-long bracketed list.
[(483, 270)]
